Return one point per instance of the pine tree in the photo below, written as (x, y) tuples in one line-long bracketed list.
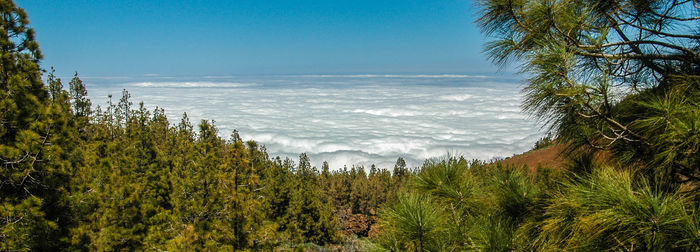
[(617, 76), (244, 206), (360, 195), (400, 169), (309, 217), (32, 179), (81, 104)]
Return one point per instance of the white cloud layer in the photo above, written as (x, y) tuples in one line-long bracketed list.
[(350, 120)]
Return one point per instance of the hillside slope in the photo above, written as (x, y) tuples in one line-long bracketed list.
[(547, 156)]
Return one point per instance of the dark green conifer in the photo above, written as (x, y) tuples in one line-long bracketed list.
[(33, 179)]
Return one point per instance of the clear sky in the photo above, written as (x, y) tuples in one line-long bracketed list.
[(193, 38)]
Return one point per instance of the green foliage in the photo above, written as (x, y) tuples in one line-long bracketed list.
[(24, 225), (308, 217), (158, 186), (544, 142), (34, 142), (400, 169), (81, 104), (415, 223), (612, 76), (617, 76), (491, 233), (446, 181), (609, 210), (514, 193), (671, 122), (508, 209)]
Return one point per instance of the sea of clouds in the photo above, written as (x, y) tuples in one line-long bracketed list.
[(347, 119)]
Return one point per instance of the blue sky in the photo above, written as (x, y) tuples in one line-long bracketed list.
[(196, 38)]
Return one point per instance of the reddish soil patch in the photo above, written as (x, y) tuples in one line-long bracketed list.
[(548, 156)]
